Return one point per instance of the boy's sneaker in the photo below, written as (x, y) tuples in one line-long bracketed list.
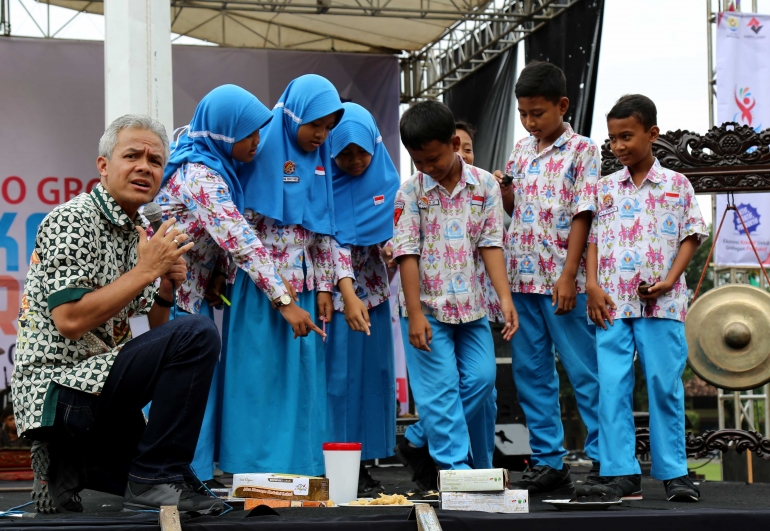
[(145, 497), (584, 488), (419, 462), (57, 481), (681, 489), (624, 487), (546, 480)]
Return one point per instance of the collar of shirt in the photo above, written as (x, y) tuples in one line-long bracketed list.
[(112, 210), (466, 177), (655, 175), (562, 140)]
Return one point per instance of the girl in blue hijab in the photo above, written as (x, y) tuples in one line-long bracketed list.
[(360, 369), (202, 189), (274, 406)]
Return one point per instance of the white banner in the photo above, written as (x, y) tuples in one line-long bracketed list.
[(743, 96)]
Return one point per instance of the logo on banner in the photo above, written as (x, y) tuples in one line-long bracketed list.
[(750, 218), (733, 23), (754, 25), (746, 102)]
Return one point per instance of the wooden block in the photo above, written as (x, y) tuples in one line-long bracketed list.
[(169, 518)]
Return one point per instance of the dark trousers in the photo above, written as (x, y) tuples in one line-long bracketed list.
[(106, 436)]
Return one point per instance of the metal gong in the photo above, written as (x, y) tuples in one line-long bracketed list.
[(728, 335)]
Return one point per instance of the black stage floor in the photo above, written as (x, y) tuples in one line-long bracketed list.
[(723, 504)]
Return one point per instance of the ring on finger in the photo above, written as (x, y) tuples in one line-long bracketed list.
[(175, 241)]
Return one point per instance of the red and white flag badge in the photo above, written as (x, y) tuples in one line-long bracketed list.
[(477, 201), (672, 196), (379, 199), (398, 211), (319, 170)]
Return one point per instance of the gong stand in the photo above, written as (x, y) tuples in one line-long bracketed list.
[(717, 162)]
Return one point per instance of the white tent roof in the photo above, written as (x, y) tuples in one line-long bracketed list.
[(374, 26)]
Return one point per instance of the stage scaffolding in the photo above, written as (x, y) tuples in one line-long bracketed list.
[(743, 402)]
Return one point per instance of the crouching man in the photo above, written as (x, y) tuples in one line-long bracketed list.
[(94, 342)]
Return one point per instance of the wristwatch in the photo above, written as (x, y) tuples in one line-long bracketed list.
[(283, 300)]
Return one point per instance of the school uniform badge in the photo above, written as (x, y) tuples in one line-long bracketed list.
[(423, 202), (379, 199), (477, 201), (319, 170), (289, 167), (398, 211)]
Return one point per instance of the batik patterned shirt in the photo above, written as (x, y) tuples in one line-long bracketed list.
[(549, 189), (638, 232), (305, 259), (199, 199), (445, 230), (369, 274), (83, 245)]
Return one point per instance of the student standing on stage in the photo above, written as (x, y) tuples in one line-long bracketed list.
[(360, 369), (551, 202), (274, 387), (201, 189), (646, 232), (443, 214)]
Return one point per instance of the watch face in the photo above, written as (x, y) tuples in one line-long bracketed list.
[(285, 299)]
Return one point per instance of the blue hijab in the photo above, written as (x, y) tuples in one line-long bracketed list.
[(363, 205), (285, 182), (224, 116)]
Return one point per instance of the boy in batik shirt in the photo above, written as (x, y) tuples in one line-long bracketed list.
[(551, 201), (443, 214), (646, 232)]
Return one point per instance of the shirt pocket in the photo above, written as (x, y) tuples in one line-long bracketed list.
[(667, 221)]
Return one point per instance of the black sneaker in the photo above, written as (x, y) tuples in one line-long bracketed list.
[(214, 484), (583, 487), (681, 489), (55, 486), (144, 497), (546, 480), (64, 478), (419, 462), (625, 487)]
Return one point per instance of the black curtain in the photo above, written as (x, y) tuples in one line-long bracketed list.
[(486, 100), (571, 41)]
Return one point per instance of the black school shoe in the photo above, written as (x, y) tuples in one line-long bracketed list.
[(624, 487), (546, 480), (681, 489), (419, 462), (584, 488), (367, 485)]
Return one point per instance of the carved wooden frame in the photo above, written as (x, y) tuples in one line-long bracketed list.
[(698, 446), (728, 158)]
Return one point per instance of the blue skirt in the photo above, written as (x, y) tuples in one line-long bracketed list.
[(361, 384), (273, 390)]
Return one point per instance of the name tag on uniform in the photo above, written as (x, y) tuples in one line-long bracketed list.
[(139, 325), (291, 179), (519, 175), (608, 211)]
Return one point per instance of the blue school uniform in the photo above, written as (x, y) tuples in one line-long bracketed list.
[(224, 116), (360, 369), (274, 396)]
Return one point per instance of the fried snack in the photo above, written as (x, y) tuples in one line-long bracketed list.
[(384, 499)]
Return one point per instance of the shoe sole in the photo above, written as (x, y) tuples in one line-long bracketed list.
[(689, 498), (131, 508), (636, 496)]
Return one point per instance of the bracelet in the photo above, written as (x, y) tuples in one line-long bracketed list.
[(163, 302)]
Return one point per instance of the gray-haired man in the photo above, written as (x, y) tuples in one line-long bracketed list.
[(83, 372)]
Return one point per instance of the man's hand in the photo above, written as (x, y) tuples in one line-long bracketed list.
[(215, 287), (420, 332), (357, 316), (325, 306), (598, 303), (173, 278), (564, 294), (158, 254), (511, 317), (299, 320), (656, 290)]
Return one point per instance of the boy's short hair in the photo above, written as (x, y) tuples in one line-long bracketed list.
[(543, 79), (465, 126), (640, 107), (425, 122)]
